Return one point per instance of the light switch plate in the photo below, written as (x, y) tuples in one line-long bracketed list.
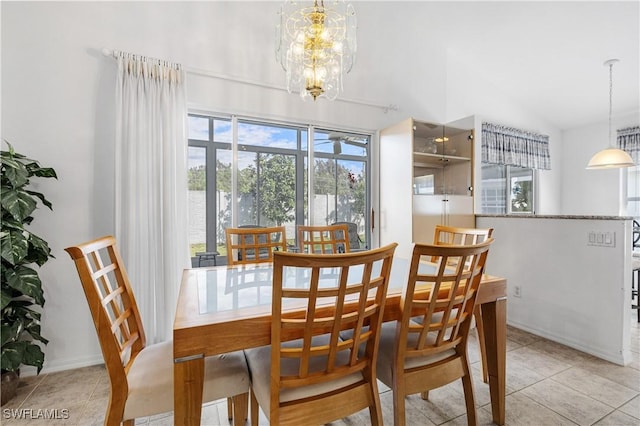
[(601, 238)]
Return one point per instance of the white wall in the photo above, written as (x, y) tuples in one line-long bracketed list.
[(469, 94), (572, 293), (57, 106), (597, 192)]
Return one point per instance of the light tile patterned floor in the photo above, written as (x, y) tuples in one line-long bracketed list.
[(547, 384)]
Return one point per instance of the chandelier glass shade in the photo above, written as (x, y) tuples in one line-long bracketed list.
[(612, 157), (316, 46)]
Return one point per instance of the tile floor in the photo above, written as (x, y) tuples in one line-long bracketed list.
[(547, 384)]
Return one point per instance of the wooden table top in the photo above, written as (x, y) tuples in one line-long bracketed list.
[(223, 308)]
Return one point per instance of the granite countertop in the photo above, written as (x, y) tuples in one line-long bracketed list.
[(551, 216)]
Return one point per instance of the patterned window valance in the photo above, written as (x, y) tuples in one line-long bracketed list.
[(629, 140), (514, 147)]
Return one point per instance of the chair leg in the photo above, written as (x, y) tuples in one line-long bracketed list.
[(375, 410), (469, 401), (424, 395), (240, 409), (477, 313), (115, 412), (229, 409), (375, 414), (636, 289), (398, 407), (469, 398), (254, 410)]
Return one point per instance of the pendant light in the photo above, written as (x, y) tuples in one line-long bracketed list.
[(610, 158)]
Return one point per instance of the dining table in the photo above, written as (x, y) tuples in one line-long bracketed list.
[(228, 308)]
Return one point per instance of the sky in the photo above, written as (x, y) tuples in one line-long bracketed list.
[(262, 135)]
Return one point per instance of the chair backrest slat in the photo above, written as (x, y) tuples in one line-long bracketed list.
[(329, 239), (438, 306), (455, 235), (112, 304), (335, 292), (254, 245)]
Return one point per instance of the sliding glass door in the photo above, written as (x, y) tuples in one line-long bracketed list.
[(253, 173)]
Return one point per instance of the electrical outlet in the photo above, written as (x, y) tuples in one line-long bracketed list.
[(517, 291)]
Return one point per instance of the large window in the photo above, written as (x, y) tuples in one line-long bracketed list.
[(268, 183), (633, 192), (633, 201), (507, 189)]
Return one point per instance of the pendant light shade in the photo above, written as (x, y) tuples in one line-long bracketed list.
[(610, 158)]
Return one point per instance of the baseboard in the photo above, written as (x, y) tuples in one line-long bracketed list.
[(616, 358), (62, 365)]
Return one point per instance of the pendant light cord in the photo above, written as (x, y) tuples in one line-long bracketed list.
[(611, 157)]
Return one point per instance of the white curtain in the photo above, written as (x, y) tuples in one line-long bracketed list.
[(151, 185)]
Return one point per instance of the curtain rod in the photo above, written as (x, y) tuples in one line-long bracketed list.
[(207, 73)]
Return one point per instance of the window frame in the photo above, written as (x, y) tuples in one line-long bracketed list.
[(302, 156), (508, 189), (632, 175)]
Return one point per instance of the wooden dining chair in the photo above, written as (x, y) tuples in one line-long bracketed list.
[(452, 235), (141, 375), (427, 347), (309, 375), (255, 244), (327, 239)]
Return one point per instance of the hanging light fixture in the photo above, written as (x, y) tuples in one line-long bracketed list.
[(611, 157), (316, 46)]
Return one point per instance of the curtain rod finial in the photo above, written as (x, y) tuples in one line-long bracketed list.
[(106, 52)]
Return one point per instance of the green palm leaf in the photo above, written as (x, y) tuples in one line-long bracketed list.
[(20, 250), (14, 246), (26, 280), (19, 204)]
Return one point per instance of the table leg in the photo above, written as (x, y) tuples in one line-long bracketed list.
[(494, 317), (188, 380)]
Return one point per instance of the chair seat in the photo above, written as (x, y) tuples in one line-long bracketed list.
[(259, 361), (386, 355), (151, 380)]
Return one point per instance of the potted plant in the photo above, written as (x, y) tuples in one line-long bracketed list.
[(20, 250)]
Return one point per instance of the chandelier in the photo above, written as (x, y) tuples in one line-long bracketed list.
[(316, 46)]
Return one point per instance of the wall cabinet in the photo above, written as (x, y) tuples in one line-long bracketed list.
[(426, 178)]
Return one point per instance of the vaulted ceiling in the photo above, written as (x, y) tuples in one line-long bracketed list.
[(548, 56)]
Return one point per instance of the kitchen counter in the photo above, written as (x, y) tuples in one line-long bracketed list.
[(569, 278), (545, 216)]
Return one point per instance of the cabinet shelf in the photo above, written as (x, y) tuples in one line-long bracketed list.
[(425, 181), (422, 159)]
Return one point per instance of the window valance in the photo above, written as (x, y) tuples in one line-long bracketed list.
[(629, 140), (514, 147)]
